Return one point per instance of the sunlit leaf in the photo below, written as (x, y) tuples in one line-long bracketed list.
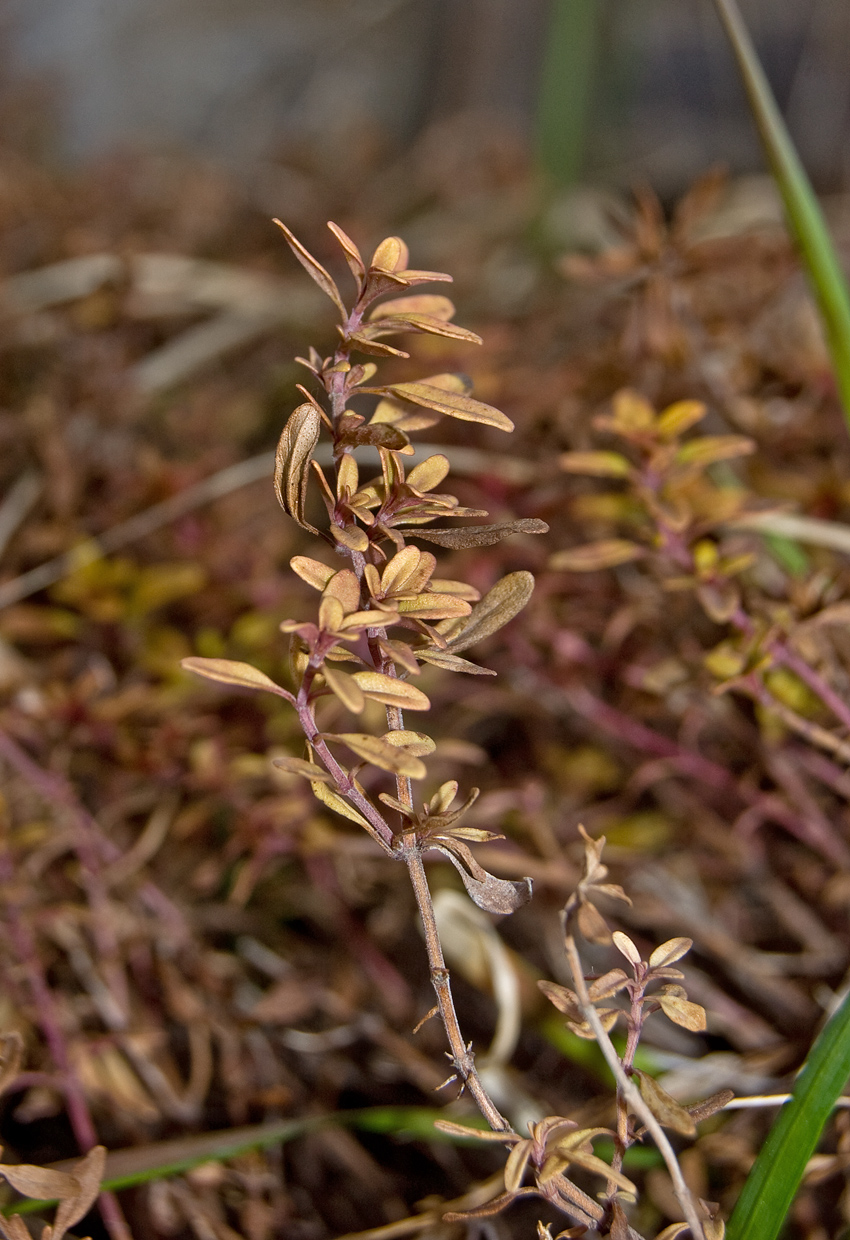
[(313, 268), (391, 691), (346, 688), (230, 672), (434, 606), (452, 404), (391, 255), (292, 462), (670, 952), (678, 418)]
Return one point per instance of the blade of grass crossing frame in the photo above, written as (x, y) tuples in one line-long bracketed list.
[(775, 1176), (566, 86), (805, 218)]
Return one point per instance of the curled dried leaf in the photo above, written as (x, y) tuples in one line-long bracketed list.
[(292, 462), (665, 1108), (494, 895), (481, 535)]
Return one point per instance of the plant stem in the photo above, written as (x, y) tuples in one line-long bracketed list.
[(631, 1094), (461, 1055)]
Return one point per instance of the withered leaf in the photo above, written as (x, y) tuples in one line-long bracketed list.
[(563, 998), (87, 1175), (494, 895), (682, 1012), (480, 535), (607, 553), (592, 924), (313, 268), (231, 672), (453, 663), (374, 435), (307, 770), (376, 348), (626, 947), (292, 462), (498, 606), (374, 749), (666, 1109), (452, 404), (516, 1165), (39, 1182), (608, 985)]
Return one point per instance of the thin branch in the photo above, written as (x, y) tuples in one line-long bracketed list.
[(632, 1094)]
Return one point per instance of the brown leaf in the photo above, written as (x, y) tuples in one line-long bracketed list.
[(480, 535), (313, 268), (231, 672), (292, 462), (11, 1058), (87, 1175), (378, 752), (563, 998), (683, 1012), (607, 553), (352, 254), (42, 1183), (424, 323), (670, 952), (592, 924), (497, 608), (626, 947), (608, 985), (452, 404), (666, 1110), (307, 770), (494, 895), (376, 348), (453, 663)]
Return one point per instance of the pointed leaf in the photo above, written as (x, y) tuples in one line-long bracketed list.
[(608, 985), (516, 1165), (452, 404), (453, 663), (480, 535), (391, 691), (352, 254), (307, 770), (230, 672), (626, 947), (313, 268), (292, 462), (498, 606), (87, 1174), (388, 757)]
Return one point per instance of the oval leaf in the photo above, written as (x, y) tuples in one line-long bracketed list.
[(345, 688), (682, 1012), (313, 572), (670, 952), (391, 691), (498, 606), (416, 743), (230, 672), (292, 462)]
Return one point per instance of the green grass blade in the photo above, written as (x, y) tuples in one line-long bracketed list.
[(775, 1176), (158, 1161), (805, 218), (566, 84)]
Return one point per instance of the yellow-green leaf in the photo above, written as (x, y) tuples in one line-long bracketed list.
[(678, 418), (231, 672), (607, 553), (335, 802), (391, 691), (346, 688), (434, 606), (598, 464), (710, 448)]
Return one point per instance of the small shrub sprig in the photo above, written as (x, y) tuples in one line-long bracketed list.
[(385, 612)]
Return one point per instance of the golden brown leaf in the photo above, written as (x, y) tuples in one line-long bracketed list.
[(453, 404), (666, 1110), (231, 672), (292, 462), (334, 801), (670, 952), (373, 749), (391, 691), (597, 464), (416, 743), (682, 1012), (352, 254), (345, 688), (497, 608), (313, 268), (433, 304)]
